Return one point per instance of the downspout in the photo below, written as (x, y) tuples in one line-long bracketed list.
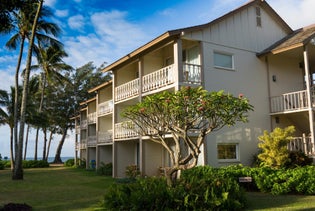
[(308, 91)]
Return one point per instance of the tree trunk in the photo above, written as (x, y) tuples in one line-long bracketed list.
[(36, 143), (16, 98), (17, 173), (49, 142), (26, 141), (60, 145), (11, 148), (45, 143)]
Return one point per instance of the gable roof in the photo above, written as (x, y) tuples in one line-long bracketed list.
[(170, 35), (298, 38)]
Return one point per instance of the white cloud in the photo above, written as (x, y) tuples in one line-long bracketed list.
[(50, 3), (76, 22), (7, 80), (297, 13), (62, 13)]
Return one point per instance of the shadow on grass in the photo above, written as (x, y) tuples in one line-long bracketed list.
[(267, 201)]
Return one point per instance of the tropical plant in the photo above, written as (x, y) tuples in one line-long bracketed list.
[(188, 115), (273, 145), (17, 173)]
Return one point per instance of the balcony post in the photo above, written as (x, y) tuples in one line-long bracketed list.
[(308, 91), (178, 61)]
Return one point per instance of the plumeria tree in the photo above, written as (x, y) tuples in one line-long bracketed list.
[(188, 115)]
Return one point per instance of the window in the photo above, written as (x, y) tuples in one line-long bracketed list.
[(223, 60), (228, 152)]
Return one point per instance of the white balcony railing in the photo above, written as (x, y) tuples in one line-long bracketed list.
[(289, 102), (192, 73), (77, 129), (83, 124), (91, 141), (82, 144), (105, 107), (127, 90), (105, 137), (91, 118), (125, 130), (303, 144), (158, 79)]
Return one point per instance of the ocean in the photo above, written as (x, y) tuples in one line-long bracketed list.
[(51, 159)]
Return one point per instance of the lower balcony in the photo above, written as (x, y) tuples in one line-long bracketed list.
[(125, 130), (303, 144), (105, 137)]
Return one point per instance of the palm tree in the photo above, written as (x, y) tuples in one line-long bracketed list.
[(17, 173), (51, 63), (22, 24), (7, 115)]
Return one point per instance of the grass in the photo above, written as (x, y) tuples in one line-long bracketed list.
[(54, 188), (61, 188)]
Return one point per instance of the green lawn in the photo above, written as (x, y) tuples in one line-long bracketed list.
[(60, 188), (54, 188)]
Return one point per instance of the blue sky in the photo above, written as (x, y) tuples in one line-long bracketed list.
[(105, 30)]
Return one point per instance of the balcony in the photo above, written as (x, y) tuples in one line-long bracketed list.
[(158, 79), (77, 129), (91, 141), (105, 108), (303, 144), (290, 102), (81, 144), (105, 137), (83, 124), (192, 73), (125, 130), (91, 118), (127, 90)]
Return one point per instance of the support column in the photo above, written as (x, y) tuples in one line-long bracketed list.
[(308, 90), (178, 63)]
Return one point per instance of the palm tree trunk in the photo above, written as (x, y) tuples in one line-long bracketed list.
[(36, 143), (49, 142), (16, 96), (45, 144), (11, 148), (26, 141), (17, 173), (60, 145)]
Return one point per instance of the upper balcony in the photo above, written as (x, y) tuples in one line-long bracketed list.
[(105, 108), (83, 124), (105, 137), (291, 102), (158, 80)]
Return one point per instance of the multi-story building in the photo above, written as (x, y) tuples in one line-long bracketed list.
[(250, 50)]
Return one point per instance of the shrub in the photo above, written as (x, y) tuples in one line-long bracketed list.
[(105, 169), (69, 162), (35, 164), (298, 158), (201, 188), (274, 147), (2, 165), (206, 188), (132, 171), (141, 194)]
